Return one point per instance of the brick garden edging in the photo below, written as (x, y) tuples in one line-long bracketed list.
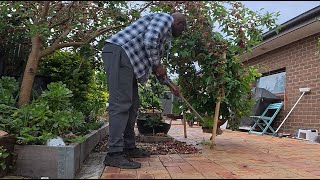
[(60, 162)]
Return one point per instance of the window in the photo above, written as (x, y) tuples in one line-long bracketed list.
[(275, 83)]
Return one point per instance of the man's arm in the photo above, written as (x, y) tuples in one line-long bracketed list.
[(156, 30)]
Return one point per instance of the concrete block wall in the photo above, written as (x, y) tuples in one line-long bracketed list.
[(61, 162)]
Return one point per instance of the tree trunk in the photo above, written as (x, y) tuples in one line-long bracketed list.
[(30, 71)]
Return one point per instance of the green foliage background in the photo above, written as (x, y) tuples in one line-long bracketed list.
[(80, 75)]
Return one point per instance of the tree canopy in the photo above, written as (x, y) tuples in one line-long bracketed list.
[(204, 75)]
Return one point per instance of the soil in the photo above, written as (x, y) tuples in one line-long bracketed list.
[(162, 148)]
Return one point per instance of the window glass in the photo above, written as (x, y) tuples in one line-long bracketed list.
[(275, 83)]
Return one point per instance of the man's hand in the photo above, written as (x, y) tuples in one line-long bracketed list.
[(160, 72)]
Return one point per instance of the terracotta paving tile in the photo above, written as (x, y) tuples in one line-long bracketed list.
[(162, 176), (145, 176), (211, 175), (168, 164), (155, 163), (236, 155), (128, 171), (188, 168), (113, 170), (175, 157), (197, 158), (143, 159), (174, 170), (118, 176), (144, 164), (187, 176), (317, 173), (164, 158), (227, 175), (151, 170)]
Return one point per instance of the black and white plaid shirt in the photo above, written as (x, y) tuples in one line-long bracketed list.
[(144, 42)]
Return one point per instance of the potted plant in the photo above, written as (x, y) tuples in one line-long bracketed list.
[(150, 114), (152, 124), (207, 124)]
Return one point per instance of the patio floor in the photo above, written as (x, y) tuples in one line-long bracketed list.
[(236, 155)]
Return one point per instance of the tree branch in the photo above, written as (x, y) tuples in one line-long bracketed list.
[(44, 12), (59, 23), (54, 47), (146, 6), (68, 8), (142, 9), (45, 9), (64, 34), (103, 30)]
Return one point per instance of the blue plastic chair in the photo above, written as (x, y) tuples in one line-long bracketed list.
[(264, 121)]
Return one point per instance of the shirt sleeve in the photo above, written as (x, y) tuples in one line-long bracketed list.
[(157, 30)]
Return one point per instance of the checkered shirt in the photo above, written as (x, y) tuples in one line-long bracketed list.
[(144, 41)]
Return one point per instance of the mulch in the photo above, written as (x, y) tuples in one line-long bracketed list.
[(161, 148)]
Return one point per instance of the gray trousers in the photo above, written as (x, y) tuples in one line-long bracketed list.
[(123, 98)]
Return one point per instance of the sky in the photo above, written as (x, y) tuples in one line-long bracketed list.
[(287, 9)]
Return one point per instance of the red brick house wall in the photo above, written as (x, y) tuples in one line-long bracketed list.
[(302, 66)]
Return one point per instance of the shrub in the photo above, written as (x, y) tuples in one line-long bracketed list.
[(8, 85), (3, 155), (80, 76), (49, 116)]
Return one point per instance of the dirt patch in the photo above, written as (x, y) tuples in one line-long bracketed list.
[(161, 148)]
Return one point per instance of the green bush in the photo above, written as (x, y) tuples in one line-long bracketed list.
[(8, 85), (3, 155), (151, 93), (87, 84), (49, 116)]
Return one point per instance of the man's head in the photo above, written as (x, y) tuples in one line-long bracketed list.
[(179, 24)]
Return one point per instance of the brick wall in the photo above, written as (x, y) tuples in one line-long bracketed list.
[(302, 70)]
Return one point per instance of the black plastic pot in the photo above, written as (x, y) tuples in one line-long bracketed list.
[(207, 129), (147, 130)]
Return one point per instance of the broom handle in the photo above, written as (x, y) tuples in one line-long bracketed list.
[(169, 83)]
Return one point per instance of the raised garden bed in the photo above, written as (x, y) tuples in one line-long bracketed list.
[(59, 162)]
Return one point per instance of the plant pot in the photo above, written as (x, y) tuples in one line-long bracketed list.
[(146, 130), (174, 116), (207, 129)]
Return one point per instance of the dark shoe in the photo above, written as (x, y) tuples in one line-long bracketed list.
[(120, 160), (136, 153)]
